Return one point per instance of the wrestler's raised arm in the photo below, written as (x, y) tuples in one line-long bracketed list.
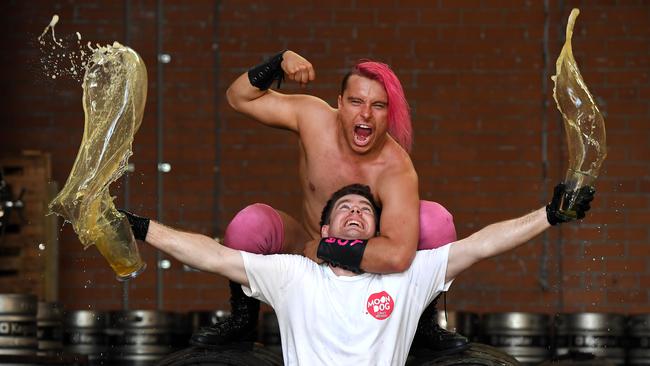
[(250, 93), (503, 236), (196, 250)]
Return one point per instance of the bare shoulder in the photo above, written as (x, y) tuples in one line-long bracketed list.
[(398, 175), (313, 111), (398, 164), (314, 118)]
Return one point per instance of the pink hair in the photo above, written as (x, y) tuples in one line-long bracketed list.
[(399, 116)]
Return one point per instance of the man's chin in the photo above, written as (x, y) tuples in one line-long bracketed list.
[(354, 234)]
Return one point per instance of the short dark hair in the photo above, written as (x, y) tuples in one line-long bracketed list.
[(358, 189)]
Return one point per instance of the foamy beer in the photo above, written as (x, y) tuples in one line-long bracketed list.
[(114, 95), (583, 123), (111, 233)]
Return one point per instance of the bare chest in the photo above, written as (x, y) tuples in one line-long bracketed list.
[(329, 177), (322, 179)]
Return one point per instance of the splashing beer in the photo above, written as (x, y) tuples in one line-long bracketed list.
[(114, 95), (583, 123)]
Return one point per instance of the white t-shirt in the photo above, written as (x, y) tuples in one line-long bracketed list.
[(325, 319)]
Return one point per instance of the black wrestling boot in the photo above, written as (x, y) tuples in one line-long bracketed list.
[(433, 340), (239, 327)]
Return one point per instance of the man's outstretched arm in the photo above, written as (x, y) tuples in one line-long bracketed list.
[(196, 250), (494, 239), (503, 236)]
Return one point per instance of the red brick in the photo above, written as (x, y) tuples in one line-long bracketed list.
[(603, 251), (644, 281), (471, 4), (629, 265), (628, 233), (616, 281), (439, 16), (632, 77), (585, 264), (637, 250), (623, 297), (583, 298)]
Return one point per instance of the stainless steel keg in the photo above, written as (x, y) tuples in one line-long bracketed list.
[(18, 324), (84, 332), (525, 336), (140, 337), (597, 333), (49, 321), (639, 336)]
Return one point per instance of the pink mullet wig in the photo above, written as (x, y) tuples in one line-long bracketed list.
[(399, 116)]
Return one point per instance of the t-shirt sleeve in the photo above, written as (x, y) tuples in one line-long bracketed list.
[(270, 275), (428, 272)]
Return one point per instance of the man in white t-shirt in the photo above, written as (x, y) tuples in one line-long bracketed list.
[(330, 315)]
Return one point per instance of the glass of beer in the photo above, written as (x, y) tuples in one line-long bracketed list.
[(574, 181), (116, 243)]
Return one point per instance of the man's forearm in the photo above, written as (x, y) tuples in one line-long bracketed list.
[(383, 255), (494, 239), (497, 238), (198, 251)]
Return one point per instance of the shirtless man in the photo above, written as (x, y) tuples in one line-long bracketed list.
[(366, 139)]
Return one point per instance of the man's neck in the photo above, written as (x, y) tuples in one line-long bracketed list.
[(341, 272)]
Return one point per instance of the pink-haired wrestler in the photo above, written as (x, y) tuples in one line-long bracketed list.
[(366, 139)]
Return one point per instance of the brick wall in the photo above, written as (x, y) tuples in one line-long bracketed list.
[(489, 142)]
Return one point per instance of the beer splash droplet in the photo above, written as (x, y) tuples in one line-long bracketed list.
[(61, 57), (55, 19)]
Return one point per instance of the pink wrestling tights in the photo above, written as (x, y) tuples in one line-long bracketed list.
[(258, 228), (436, 226)]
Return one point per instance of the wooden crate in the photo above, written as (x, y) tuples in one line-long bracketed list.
[(29, 256)]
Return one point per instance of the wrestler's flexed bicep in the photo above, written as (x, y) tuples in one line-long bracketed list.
[(250, 93)]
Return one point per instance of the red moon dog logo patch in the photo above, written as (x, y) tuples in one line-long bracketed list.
[(380, 305)]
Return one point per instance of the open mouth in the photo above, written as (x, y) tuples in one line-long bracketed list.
[(362, 133), (354, 224)]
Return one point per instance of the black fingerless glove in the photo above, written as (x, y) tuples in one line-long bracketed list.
[(344, 253), (263, 75), (139, 225), (581, 197)]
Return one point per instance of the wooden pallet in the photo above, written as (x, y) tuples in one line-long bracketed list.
[(29, 246)]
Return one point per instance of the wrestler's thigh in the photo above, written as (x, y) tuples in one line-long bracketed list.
[(295, 236)]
